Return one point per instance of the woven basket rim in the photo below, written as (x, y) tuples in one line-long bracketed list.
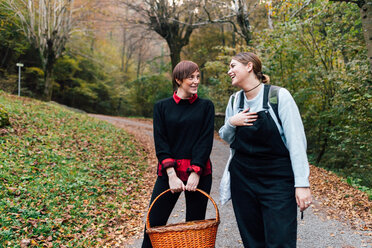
[(168, 190), (184, 226)]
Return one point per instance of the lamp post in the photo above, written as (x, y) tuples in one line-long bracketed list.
[(19, 78)]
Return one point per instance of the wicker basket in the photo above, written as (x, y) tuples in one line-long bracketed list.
[(191, 234)]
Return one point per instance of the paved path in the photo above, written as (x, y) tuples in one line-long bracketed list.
[(314, 231)]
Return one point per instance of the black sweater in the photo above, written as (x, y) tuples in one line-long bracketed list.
[(184, 130)]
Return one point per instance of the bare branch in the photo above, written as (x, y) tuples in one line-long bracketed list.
[(300, 9)]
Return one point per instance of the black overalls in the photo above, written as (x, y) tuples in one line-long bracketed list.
[(262, 183)]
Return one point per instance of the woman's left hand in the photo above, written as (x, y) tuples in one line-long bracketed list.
[(303, 198), (192, 182)]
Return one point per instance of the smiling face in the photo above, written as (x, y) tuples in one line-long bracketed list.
[(239, 72), (189, 85)]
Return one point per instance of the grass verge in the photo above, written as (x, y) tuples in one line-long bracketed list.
[(66, 179)]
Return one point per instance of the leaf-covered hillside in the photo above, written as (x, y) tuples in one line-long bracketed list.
[(65, 178)]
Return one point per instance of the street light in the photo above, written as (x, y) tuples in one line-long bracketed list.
[(19, 78)]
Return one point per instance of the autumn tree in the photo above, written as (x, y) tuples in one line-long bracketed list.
[(172, 20), (47, 26), (318, 54), (366, 15), (175, 20)]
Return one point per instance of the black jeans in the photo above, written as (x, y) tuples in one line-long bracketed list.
[(196, 204)]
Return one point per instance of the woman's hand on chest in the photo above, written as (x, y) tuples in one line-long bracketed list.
[(243, 118)]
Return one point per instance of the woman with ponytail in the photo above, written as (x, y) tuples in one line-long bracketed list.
[(268, 170)]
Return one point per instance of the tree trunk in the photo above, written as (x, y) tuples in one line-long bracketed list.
[(233, 39), (139, 62), (175, 53), (366, 14), (124, 46), (5, 56), (223, 35), (48, 64), (175, 58), (322, 151), (92, 44), (244, 24), (269, 15), (161, 65), (48, 87)]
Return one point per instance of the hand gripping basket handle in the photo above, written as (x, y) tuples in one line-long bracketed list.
[(166, 191)]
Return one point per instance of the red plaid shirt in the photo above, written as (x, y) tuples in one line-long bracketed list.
[(183, 168)]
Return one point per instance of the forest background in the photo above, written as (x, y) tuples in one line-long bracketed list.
[(115, 58)]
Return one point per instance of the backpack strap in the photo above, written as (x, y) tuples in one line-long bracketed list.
[(241, 102), (274, 100), (233, 100)]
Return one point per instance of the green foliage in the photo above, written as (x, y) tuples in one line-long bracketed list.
[(356, 182), (144, 92), (321, 58), (8, 82), (81, 83), (64, 177), (202, 47), (65, 69), (32, 82), (12, 41), (13, 49), (4, 117), (220, 87), (219, 82)]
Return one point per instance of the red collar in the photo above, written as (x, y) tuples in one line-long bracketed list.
[(177, 99)]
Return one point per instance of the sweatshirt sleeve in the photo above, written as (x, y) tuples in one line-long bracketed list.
[(295, 137), (162, 148), (227, 131), (203, 146)]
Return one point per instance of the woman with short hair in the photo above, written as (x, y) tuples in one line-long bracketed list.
[(183, 135)]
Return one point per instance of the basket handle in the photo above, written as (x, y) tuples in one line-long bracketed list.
[(166, 191)]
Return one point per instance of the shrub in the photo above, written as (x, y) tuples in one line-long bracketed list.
[(32, 82), (4, 117), (144, 92)]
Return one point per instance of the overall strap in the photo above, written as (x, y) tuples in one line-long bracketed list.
[(241, 103), (265, 104)]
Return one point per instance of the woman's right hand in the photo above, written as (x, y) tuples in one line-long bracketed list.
[(243, 118), (175, 184)]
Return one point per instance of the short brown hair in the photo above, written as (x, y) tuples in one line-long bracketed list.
[(246, 57), (182, 70)]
